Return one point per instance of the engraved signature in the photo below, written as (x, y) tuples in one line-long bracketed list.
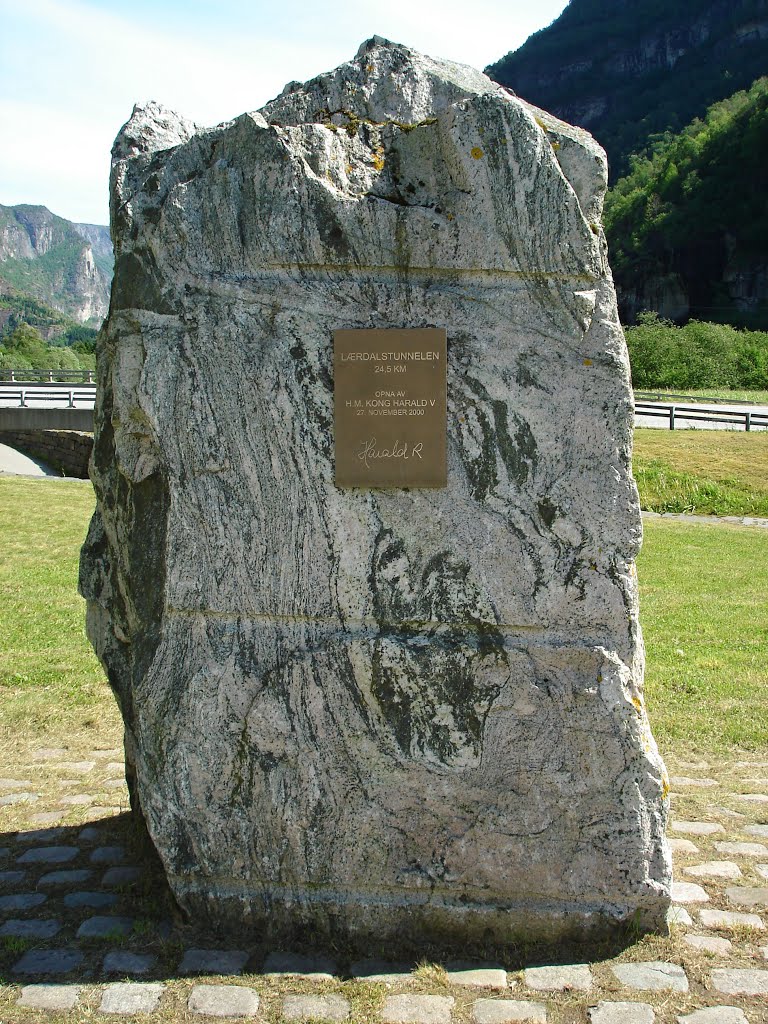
[(397, 450)]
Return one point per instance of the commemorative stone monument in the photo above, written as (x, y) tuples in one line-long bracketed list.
[(361, 571)]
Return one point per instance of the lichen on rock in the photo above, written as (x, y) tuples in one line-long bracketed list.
[(408, 715)]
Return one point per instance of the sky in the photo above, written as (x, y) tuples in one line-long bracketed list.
[(71, 70)]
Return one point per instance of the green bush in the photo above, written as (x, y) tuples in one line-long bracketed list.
[(698, 355)]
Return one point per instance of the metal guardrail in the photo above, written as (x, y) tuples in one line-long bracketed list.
[(46, 376), (672, 412), (23, 395)]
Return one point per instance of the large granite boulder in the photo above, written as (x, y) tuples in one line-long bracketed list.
[(406, 715)]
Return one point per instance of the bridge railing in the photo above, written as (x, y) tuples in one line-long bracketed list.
[(36, 395), (49, 376)]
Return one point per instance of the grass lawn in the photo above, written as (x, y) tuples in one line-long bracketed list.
[(713, 472), (755, 397), (703, 600), (703, 609), (50, 680)]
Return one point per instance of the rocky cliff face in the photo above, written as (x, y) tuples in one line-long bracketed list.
[(65, 265), (625, 69), (375, 714)]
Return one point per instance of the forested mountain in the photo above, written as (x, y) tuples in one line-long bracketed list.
[(688, 228), (629, 69), (64, 265)]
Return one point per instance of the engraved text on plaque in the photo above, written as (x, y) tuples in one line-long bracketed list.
[(390, 407)]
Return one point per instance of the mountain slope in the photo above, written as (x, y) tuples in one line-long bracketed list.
[(628, 69), (65, 265), (687, 228)]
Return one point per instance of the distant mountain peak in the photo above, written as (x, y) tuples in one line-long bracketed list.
[(66, 265)]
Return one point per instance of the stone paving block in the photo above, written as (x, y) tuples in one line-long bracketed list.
[(5, 852), (115, 766), (11, 784), (115, 877), (18, 798), (48, 961), (754, 798), (49, 997), (103, 926), (564, 978), (743, 849), (688, 892), (75, 876), (382, 971), (128, 997), (652, 976), (36, 836), (96, 900), (223, 1001), (725, 812), (507, 1011), (78, 800), (114, 784), (90, 834), (747, 896), (710, 944), (762, 870), (756, 830), (682, 845), (729, 919), (34, 929), (764, 952), (49, 855), (714, 869), (121, 961), (48, 753), (621, 1013), (687, 782), (82, 767), (679, 916), (740, 981), (108, 855), (318, 967), (47, 817), (12, 877), (697, 828), (21, 901), (715, 1015), (476, 975), (213, 961), (308, 1007), (417, 1010)]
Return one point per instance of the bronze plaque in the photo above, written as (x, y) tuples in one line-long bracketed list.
[(390, 407)]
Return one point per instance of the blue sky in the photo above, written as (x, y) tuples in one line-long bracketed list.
[(71, 70)]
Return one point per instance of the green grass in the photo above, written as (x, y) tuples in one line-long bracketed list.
[(703, 610), (722, 473), (50, 679), (728, 394), (703, 599)]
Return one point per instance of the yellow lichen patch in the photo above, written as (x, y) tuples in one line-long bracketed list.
[(476, 153), (587, 362), (664, 786), (637, 702), (449, 216)]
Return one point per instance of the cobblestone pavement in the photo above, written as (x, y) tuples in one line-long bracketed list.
[(88, 930)]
